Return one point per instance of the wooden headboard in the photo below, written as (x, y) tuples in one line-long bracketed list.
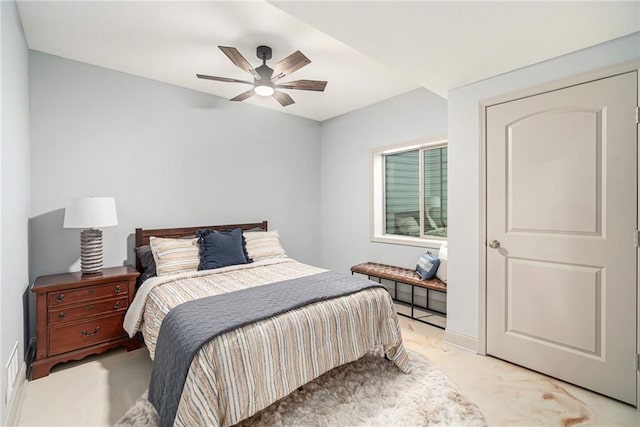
[(142, 235)]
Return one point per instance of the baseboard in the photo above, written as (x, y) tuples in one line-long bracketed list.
[(15, 405), (461, 341)]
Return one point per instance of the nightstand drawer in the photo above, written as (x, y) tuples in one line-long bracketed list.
[(86, 293), (92, 309), (85, 334)]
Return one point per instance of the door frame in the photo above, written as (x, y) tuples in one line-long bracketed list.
[(482, 247)]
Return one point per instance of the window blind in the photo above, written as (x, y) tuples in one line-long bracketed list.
[(435, 189), (402, 193)]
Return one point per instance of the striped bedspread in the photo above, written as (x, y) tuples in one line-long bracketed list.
[(241, 372)]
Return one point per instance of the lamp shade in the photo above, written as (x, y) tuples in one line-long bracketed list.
[(90, 212)]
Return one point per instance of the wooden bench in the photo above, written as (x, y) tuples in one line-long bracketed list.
[(405, 276)]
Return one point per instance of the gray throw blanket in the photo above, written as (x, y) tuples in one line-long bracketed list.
[(189, 326)]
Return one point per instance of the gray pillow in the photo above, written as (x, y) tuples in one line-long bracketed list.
[(148, 263)]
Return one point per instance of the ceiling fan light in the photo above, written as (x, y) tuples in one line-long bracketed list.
[(264, 90)]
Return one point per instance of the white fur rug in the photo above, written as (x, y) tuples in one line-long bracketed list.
[(368, 392)]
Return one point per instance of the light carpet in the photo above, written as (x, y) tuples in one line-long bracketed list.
[(371, 391)]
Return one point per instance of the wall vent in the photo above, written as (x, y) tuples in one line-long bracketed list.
[(12, 373)]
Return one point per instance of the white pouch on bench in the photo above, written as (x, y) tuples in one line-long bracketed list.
[(441, 273)]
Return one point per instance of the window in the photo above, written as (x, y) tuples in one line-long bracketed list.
[(409, 193)]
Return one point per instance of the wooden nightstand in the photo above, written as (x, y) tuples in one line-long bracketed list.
[(79, 315)]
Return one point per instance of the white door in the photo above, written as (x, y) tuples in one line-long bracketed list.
[(562, 210)]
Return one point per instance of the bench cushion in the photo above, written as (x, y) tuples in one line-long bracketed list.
[(398, 274)]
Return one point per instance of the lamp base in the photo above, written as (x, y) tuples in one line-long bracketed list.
[(91, 251)]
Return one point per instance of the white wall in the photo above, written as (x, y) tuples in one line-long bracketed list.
[(170, 157), (15, 189), (464, 165), (346, 144)]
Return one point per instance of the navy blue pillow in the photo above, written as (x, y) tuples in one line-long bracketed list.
[(221, 248)]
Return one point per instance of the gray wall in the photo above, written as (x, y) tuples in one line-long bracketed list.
[(464, 161), (346, 144), (170, 157), (15, 185)]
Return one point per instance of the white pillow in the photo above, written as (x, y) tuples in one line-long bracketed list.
[(443, 255), (263, 245), (174, 256)]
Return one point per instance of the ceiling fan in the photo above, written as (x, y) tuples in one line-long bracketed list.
[(265, 78)]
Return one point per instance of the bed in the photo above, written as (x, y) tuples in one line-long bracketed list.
[(240, 372)]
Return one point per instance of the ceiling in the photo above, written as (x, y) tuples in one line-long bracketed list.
[(368, 51), (444, 45)]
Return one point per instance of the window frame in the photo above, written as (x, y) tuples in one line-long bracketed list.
[(377, 193)]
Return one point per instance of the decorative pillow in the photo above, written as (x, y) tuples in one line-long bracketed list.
[(148, 263), (221, 248), (443, 255), (427, 266), (174, 256), (264, 245)]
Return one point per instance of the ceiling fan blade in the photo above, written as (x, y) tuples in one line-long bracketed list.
[(291, 63), (236, 57), (244, 95), (316, 85), (222, 79), (283, 98)]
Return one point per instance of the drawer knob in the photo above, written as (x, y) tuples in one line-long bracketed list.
[(90, 291), (117, 290), (89, 334), (60, 297), (116, 305), (61, 315), (90, 307)]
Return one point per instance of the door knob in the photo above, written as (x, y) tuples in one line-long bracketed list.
[(494, 244)]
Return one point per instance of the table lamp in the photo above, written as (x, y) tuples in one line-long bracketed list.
[(90, 213)]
